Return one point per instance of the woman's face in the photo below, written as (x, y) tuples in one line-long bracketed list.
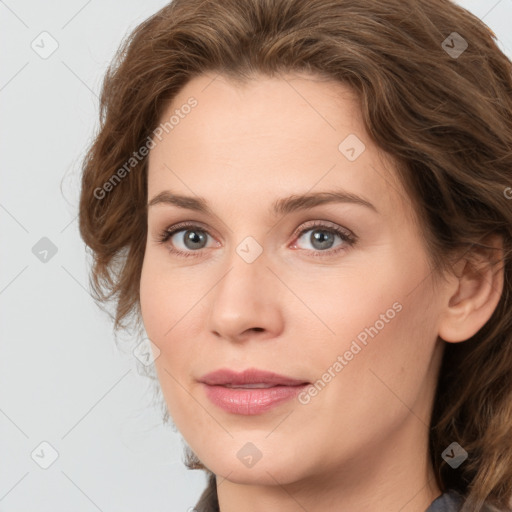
[(263, 281)]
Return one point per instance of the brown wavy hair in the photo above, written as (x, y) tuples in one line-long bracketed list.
[(445, 120)]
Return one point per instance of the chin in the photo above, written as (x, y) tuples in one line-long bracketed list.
[(268, 470)]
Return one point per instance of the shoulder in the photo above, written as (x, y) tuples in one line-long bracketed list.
[(449, 501)]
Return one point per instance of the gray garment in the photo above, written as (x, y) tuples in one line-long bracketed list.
[(449, 501)]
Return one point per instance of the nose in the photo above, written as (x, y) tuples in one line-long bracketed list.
[(246, 302)]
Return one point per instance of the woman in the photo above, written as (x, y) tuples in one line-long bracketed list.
[(307, 205)]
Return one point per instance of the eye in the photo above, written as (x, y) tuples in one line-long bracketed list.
[(323, 236), (187, 244)]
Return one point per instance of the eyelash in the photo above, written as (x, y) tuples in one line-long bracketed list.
[(349, 239)]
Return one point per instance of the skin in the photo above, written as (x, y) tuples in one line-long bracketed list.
[(361, 442)]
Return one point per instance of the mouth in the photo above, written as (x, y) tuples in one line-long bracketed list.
[(251, 391), (251, 377), (259, 385)]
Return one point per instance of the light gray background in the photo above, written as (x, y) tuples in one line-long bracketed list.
[(62, 378)]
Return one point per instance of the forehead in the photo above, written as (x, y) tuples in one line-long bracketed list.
[(267, 138)]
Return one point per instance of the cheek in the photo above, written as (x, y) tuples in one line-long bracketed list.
[(162, 296), (153, 302), (339, 307), (170, 301), (386, 344), (162, 306), (381, 324)]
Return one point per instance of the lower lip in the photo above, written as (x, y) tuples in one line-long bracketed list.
[(250, 401)]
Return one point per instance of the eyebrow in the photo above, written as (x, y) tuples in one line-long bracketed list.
[(282, 206)]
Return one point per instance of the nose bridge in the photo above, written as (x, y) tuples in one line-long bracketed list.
[(245, 297), (247, 269)]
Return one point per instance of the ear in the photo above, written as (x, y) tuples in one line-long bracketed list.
[(474, 290)]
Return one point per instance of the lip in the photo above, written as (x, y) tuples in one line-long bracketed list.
[(225, 376), (220, 388)]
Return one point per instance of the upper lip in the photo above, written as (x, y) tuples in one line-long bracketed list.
[(226, 376)]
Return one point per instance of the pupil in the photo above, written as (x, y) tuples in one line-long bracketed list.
[(194, 237), (321, 237)]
